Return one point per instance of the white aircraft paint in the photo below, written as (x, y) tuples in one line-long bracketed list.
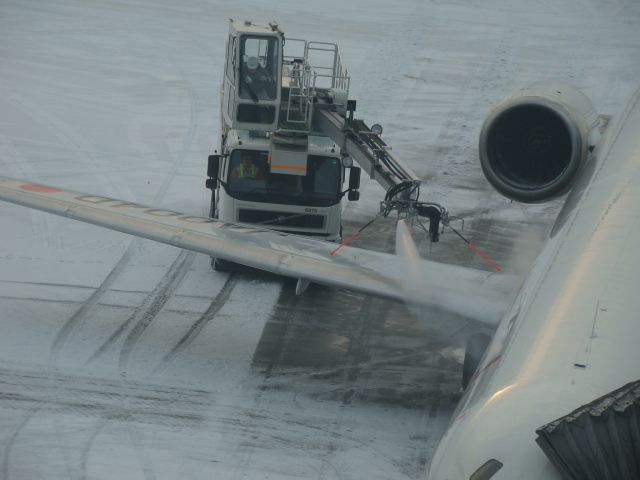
[(572, 334)]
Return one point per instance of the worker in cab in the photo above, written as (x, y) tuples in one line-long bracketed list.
[(257, 82), (246, 169)]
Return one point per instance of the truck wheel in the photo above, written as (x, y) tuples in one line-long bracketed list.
[(476, 346), (221, 265)]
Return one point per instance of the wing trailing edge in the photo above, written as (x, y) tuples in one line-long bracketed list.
[(478, 295)]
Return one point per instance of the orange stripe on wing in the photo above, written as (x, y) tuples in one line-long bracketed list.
[(33, 187)]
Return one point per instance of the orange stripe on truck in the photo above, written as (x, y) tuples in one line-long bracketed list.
[(289, 167)]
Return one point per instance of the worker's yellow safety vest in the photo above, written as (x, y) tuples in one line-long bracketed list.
[(249, 172)]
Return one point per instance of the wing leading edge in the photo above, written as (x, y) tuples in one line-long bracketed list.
[(457, 289)]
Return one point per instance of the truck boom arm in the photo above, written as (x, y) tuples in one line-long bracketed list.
[(375, 157), (365, 147)]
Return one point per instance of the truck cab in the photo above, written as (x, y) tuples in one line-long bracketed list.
[(252, 76), (301, 195)]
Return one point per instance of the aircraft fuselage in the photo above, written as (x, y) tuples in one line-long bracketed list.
[(571, 335)]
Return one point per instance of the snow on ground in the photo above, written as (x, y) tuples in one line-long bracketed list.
[(120, 358)]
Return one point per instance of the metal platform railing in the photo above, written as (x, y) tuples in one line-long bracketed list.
[(310, 69), (324, 59)]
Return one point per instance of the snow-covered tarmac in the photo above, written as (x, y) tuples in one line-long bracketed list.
[(121, 358)]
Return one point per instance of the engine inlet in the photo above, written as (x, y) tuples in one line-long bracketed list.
[(534, 142)]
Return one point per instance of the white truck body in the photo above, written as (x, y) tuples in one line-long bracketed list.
[(274, 167), (302, 204)]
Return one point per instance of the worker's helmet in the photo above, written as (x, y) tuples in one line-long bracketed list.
[(252, 63)]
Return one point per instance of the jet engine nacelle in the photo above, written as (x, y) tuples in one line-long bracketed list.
[(536, 140)]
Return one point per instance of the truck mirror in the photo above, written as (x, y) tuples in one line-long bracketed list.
[(354, 178), (213, 166), (353, 195)]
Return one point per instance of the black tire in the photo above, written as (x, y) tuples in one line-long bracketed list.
[(221, 265), (476, 346)]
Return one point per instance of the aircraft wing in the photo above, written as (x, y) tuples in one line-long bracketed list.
[(475, 294)]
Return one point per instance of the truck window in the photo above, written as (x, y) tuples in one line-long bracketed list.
[(250, 178), (248, 170), (323, 175), (258, 68)]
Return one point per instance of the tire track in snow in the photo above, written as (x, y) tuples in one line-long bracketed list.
[(216, 304), (88, 446), (6, 454), (144, 315), (153, 304), (81, 314), (141, 453)]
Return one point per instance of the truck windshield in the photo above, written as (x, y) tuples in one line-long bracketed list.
[(258, 68), (251, 179)]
